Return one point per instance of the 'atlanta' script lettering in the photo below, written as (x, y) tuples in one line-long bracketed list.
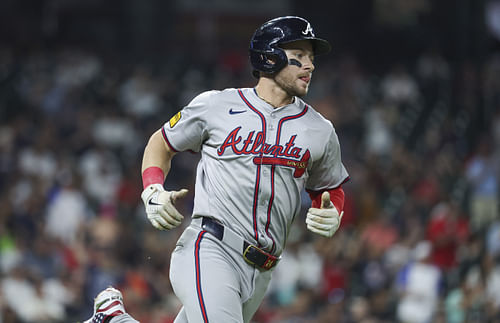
[(254, 145)]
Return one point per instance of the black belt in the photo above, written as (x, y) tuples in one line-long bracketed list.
[(252, 254)]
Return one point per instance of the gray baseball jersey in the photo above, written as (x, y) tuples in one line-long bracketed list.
[(255, 162)]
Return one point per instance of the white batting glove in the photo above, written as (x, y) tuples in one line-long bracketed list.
[(326, 220), (160, 207)]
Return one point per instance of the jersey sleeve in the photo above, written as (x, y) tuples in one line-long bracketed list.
[(187, 130), (328, 172)]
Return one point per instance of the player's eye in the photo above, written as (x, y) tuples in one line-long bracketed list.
[(299, 55)]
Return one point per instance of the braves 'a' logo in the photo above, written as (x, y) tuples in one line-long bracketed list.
[(287, 155), (308, 30)]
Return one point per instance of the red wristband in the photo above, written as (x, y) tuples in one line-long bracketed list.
[(336, 196), (152, 175)]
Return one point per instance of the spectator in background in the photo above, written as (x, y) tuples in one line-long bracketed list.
[(378, 136), (446, 230), (493, 239), (418, 284), (28, 297), (472, 294), (491, 270), (140, 95), (399, 86), (302, 269), (100, 171), (482, 173), (60, 223), (455, 303), (380, 234)]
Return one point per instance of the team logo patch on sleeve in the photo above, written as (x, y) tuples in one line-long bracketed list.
[(173, 121)]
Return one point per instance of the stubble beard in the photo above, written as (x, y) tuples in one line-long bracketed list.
[(290, 87)]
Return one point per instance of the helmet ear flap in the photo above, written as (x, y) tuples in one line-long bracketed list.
[(268, 61)]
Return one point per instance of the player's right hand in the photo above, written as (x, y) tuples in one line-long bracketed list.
[(160, 207)]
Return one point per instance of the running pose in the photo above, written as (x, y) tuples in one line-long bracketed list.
[(260, 148)]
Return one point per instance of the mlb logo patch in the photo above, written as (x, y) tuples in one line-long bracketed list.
[(173, 121)]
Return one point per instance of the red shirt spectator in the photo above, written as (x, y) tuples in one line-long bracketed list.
[(446, 231)]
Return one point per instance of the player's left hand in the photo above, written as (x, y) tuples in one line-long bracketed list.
[(326, 220)]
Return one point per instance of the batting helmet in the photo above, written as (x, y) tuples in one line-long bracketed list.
[(265, 53)]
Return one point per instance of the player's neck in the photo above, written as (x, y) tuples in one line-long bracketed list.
[(271, 93)]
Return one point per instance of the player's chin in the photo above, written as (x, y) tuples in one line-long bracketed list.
[(302, 90)]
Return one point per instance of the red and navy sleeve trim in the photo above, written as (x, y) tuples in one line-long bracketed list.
[(167, 141)]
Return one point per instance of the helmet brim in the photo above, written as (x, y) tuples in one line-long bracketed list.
[(320, 46)]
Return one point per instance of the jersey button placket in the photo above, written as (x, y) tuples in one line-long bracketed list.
[(265, 189), (264, 194), (271, 130)]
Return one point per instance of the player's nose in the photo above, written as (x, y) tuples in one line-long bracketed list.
[(308, 64)]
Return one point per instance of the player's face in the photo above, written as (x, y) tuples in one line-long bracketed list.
[(294, 79)]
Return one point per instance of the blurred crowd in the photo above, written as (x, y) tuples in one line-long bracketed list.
[(420, 238)]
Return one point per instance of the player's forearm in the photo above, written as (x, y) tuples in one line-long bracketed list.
[(157, 154)]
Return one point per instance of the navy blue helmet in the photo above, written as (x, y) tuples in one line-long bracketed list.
[(265, 53)]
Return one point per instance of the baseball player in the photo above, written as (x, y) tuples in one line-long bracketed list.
[(260, 148)]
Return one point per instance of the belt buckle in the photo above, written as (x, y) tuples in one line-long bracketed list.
[(269, 263)]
